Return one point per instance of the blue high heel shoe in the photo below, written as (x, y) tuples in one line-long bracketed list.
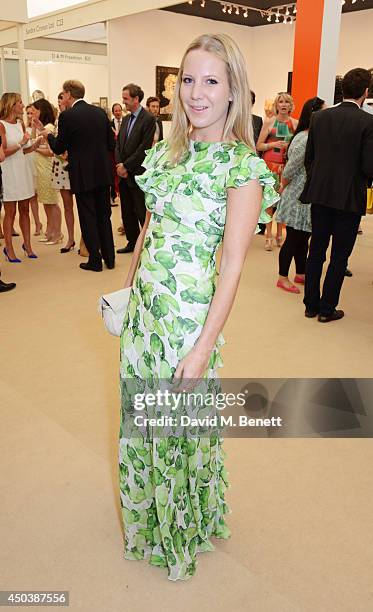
[(16, 260), (32, 256)]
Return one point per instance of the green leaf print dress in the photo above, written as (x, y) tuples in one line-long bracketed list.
[(172, 489)]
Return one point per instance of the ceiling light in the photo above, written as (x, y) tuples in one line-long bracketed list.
[(269, 18), (230, 10), (203, 3), (224, 9), (237, 10)]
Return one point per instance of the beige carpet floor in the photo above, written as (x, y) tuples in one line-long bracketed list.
[(302, 509)]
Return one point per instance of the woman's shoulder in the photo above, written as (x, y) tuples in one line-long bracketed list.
[(300, 138)]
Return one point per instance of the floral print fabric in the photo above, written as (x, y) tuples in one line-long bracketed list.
[(172, 490)]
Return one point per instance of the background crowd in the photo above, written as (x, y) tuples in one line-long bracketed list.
[(322, 163)]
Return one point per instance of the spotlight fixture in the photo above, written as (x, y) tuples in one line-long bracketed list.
[(203, 3), (246, 14), (224, 9), (287, 12), (230, 10)]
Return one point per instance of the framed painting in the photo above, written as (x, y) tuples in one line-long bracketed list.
[(104, 104), (165, 82)]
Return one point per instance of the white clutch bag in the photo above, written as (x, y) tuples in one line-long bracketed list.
[(112, 308)]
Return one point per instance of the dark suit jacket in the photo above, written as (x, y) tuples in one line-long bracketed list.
[(131, 151), (257, 126), (84, 131), (339, 158), (160, 124)]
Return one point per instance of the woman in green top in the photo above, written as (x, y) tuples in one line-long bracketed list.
[(203, 184)]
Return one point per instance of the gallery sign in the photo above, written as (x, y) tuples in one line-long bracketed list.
[(35, 55)]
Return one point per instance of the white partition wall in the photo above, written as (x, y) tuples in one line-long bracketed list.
[(49, 76), (138, 43)]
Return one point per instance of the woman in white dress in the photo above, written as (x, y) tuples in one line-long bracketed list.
[(34, 203), (18, 183)]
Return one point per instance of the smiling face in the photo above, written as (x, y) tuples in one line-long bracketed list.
[(205, 94), (35, 112), (30, 115), (131, 104), (117, 111)]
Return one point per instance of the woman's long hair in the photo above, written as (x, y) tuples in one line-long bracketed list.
[(238, 121), (47, 113), (7, 102), (311, 106)]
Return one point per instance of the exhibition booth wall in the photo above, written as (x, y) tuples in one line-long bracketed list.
[(49, 76), (138, 43)]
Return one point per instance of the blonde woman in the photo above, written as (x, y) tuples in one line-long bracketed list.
[(18, 185), (205, 187), (34, 204), (273, 141)]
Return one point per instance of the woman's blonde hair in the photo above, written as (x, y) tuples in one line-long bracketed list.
[(8, 100), (239, 120), (287, 97)]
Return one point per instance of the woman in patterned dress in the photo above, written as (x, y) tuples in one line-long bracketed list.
[(203, 183), (290, 211), (61, 182), (273, 141), (43, 111)]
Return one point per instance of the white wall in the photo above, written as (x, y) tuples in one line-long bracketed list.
[(355, 47), (272, 60), (139, 43), (49, 76)]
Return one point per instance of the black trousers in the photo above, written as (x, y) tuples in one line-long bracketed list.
[(132, 203), (342, 227), (295, 245), (94, 215)]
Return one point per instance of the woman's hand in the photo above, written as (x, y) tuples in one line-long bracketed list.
[(191, 368), (37, 124), (26, 138)]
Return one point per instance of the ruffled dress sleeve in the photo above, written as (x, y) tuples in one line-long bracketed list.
[(249, 167), (150, 163)]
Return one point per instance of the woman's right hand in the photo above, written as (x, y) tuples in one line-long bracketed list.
[(26, 138)]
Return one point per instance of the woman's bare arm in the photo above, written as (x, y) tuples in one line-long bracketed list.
[(13, 148), (261, 145), (137, 252)]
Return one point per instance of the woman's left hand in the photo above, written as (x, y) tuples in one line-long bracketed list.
[(191, 368)]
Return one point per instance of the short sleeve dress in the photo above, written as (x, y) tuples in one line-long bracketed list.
[(46, 193), (291, 210), (172, 490)]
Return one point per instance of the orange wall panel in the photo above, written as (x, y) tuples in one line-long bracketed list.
[(307, 45)]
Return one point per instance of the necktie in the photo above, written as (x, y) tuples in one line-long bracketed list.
[(130, 123)]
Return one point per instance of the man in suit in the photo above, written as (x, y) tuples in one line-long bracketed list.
[(135, 136), (84, 131), (116, 121), (257, 121), (152, 106), (339, 164)]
